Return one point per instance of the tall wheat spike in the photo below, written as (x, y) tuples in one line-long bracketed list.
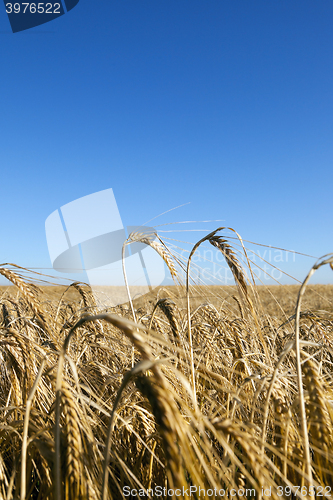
[(240, 279), (73, 473), (320, 433), (155, 242), (29, 292)]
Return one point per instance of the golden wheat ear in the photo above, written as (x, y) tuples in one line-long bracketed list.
[(241, 281), (155, 242), (73, 469), (319, 424), (30, 293)]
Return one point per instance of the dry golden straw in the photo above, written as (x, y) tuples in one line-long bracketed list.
[(213, 389)]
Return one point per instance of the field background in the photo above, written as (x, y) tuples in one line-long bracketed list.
[(276, 300)]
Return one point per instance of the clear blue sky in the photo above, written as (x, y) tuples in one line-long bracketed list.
[(227, 104)]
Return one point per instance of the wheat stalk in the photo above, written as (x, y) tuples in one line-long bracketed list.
[(321, 262), (73, 475), (159, 246), (317, 416), (28, 292)]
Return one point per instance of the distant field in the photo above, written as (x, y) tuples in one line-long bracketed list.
[(277, 300)]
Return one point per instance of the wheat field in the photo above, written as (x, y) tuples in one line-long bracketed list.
[(188, 392)]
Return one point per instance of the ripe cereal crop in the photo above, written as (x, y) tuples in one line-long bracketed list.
[(213, 387)]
